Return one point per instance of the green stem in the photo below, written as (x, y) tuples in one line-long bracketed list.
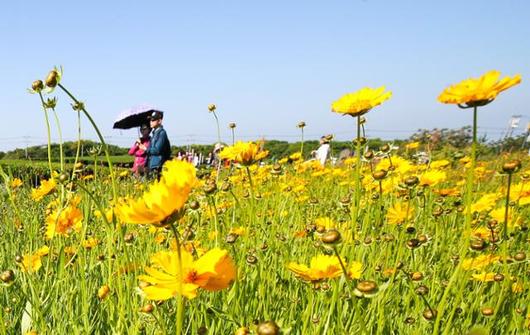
[(180, 299), (218, 128), (302, 144), (507, 204), (48, 130), (100, 136), (60, 133)]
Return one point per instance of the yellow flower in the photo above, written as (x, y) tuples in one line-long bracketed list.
[(431, 178), (356, 270), (484, 276), (245, 153), (240, 231), (16, 183), (478, 91), (214, 271), (438, 164), (296, 156), (32, 262), (45, 188), (360, 102), (103, 292), (399, 213), (485, 203), (163, 198), (90, 242), (479, 262), (498, 214), (63, 221), (325, 222), (412, 145), (321, 267)]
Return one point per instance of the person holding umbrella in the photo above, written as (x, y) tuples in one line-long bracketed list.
[(140, 155), (159, 150)]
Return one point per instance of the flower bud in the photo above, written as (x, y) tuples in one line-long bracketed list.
[(52, 79), (212, 107), (232, 125), (37, 86), (195, 205), (103, 292), (301, 124)]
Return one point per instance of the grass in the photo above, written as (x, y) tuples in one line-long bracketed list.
[(61, 297)]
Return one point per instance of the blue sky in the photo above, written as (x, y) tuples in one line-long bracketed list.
[(267, 65)]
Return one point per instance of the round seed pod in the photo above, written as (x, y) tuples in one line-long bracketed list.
[(18, 258), (413, 243), (379, 175), (268, 328), (368, 155), (487, 311), (332, 236), (147, 308), (511, 167), (477, 244), (410, 230), (128, 238), (231, 238), (252, 260), (7, 276), (520, 256), (410, 320), (412, 181), (37, 85), (210, 187), (429, 314), (416, 276), (52, 79), (498, 277), (366, 286), (422, 290), (385, 148), (242, 331)]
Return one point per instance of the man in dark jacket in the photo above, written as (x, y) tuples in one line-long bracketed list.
[(159, 149)]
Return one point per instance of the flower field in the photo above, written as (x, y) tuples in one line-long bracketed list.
[(377, 244)]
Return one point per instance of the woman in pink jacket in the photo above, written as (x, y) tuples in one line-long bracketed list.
[(140, 154)]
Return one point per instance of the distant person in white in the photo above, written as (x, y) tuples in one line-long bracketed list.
[(322, 153)]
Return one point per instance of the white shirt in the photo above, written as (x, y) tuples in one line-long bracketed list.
[(322, 153)]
